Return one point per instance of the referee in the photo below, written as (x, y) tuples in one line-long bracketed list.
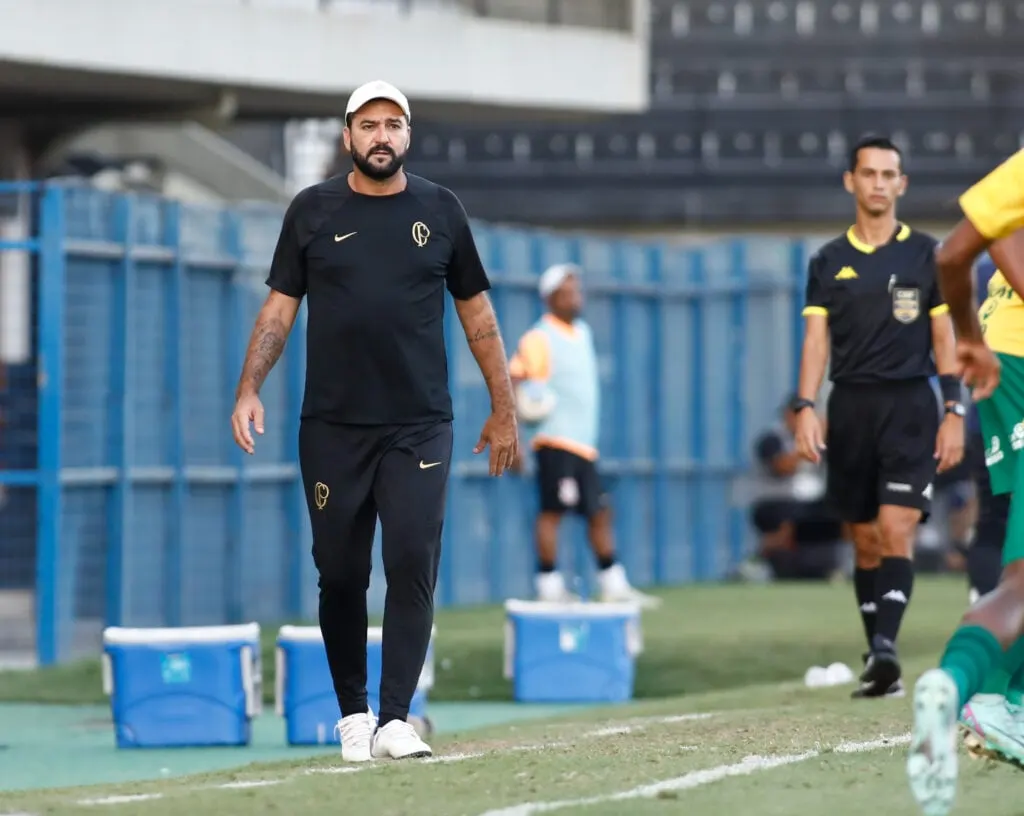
[(872, 295), (373, 251)]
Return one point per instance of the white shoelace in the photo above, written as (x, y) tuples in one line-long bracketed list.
[(354, 729)]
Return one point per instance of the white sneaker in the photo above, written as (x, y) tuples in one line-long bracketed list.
[(355, 732), (615, 588), (551, 588), (932, 760), (399, 740)]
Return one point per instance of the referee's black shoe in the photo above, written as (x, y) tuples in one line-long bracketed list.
[(881, 676)]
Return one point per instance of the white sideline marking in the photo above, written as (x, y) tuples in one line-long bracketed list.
[(680, 718), (453, 757), (252, 783), (638, 724), (444, 758), (694, 779), (335, 769), (122, 800), (614, 731)]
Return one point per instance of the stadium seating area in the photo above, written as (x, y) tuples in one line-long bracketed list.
[(743, 92)]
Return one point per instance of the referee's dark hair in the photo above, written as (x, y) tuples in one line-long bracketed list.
[(873, 140)]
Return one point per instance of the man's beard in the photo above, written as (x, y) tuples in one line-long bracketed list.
[(378, 172)]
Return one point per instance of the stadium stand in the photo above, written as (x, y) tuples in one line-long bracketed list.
[(742, 91)]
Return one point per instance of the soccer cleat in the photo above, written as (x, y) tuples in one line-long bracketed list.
[(398, 740), (932, 760), (355, 732), (881, 677), (615, 588), (993, 729)]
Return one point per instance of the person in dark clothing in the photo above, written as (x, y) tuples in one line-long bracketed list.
[(800, 537), (373, 252), (876, 317)]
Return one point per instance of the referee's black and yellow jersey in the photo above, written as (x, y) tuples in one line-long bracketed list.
[(878, 302)]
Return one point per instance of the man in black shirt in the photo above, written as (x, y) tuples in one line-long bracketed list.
[(372, 252), (873, 295)]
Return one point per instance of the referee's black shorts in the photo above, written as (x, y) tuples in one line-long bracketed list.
[(881, 447), (354, 473)]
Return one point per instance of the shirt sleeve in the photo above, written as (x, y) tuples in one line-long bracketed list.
[(815, 298), (288, 267), (532, 360), (466, 277), (995, 205)]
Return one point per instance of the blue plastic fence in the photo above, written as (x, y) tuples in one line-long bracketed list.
[(137, 509)]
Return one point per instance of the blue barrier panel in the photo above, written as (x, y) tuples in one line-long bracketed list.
[(19, 385), (147, 514)]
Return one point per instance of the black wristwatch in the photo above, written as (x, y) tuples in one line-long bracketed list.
[(956, 408), (797, 405)]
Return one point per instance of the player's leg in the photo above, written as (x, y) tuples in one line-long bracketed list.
[(906, 450), (851, 477), (985, 555), (990, 628), (993, 717), (595, 506), (335, 462), (867, 552), (410, 489), (559, 494)]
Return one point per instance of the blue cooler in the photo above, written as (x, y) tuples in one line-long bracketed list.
[(571, 653), (187, 686), (305, 693)]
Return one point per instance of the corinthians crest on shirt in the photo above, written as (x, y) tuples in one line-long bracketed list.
[(906, 304)]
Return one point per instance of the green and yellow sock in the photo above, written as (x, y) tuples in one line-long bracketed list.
[(970, 657)]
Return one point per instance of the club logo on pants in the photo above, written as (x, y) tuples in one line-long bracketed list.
[(320, 494)]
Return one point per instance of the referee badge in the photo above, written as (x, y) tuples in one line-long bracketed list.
[(906, 304)]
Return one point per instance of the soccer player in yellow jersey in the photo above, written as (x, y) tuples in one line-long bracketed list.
[(991, 361)]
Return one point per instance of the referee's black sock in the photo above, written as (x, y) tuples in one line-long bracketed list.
[(895, 585), (864, 585)]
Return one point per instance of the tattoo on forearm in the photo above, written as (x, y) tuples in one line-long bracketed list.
[(265, 347), (483, 334), (484, 338)]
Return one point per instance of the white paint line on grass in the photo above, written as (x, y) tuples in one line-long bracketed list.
[(614, 731), (122, 800), (250, 783), (637, 723), (453, 758), (337, 769), (677, 718), (694, 779)]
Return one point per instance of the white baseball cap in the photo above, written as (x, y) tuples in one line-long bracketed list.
[(555, 276), (378, 89)]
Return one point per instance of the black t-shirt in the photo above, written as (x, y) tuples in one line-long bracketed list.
[(878, 301), (373, 270)]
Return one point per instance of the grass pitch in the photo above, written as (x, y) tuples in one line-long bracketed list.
[(726, 736)]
